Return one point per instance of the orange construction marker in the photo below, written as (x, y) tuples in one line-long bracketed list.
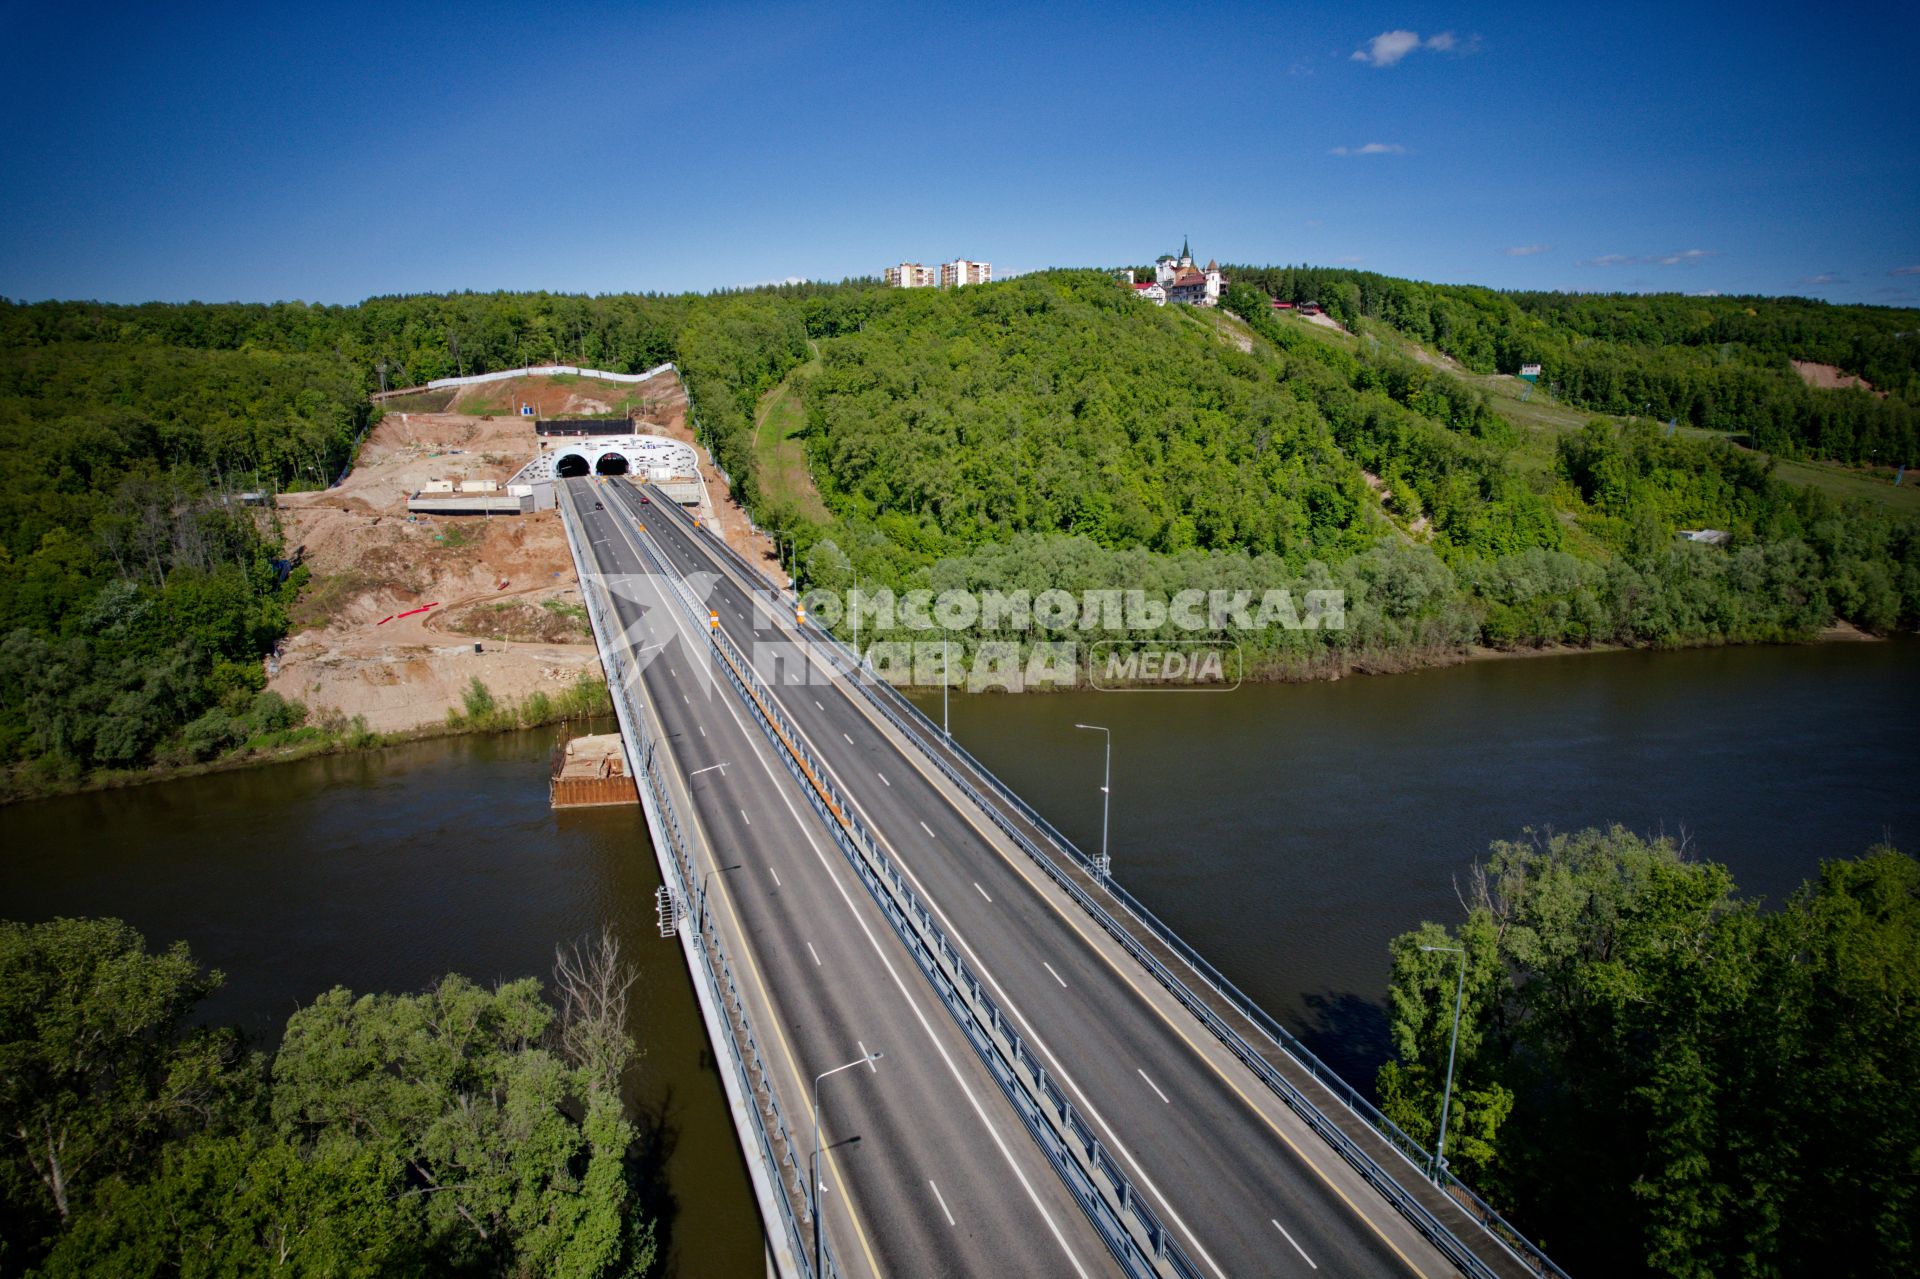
[(713, 620)]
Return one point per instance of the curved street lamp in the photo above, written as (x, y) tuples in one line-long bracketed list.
[(866, 1060), (1446, 1098)]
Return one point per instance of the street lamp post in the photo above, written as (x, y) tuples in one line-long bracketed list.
[(1105, 864), (700, 901), (946, 684), (868, 1059), (1446, 1097)]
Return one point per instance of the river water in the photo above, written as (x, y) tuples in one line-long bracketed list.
[(1289, 831)]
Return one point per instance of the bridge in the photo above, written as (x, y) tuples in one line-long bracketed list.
[(997, 1060)]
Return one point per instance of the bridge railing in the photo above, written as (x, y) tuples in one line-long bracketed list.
[(1132, 1230), (970, 775), (714, 971)]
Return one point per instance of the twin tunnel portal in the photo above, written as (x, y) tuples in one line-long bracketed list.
[(572, 466)]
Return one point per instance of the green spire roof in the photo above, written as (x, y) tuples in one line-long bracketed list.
[(1185, 252)]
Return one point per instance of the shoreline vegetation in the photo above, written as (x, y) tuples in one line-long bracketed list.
[(481, 712)]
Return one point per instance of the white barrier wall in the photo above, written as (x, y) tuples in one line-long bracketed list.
[(540, 370)]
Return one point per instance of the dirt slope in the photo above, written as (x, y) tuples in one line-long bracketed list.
[(506, 582)]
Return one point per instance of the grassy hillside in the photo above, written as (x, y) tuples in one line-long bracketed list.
[(1722, 364), (779, 447), (1542, 419)]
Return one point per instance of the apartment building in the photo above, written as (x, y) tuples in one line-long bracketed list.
[(960, 271), (911, 275)]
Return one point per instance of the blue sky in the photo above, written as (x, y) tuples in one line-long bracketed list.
[(330, 153)]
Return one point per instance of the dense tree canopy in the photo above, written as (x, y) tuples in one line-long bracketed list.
[(1656, 1077), (970, 438), (459, 1131)]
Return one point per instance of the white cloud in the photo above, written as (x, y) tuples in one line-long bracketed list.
[(1825, 277), (1527, 250), (1388, 48), (1371, 148), (1685, 257), (1905, 270)]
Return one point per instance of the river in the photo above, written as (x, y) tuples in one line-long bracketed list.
[(1287, 830)]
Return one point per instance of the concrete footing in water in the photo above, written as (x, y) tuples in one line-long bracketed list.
[(590, 772)]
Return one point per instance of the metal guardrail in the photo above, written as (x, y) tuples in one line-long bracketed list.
[(715, 973), (927, 736), (1133, 1232)]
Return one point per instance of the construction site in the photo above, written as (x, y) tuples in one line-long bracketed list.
[(438, 558)]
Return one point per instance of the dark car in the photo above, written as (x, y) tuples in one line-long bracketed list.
[(645, 500), (599, 506)]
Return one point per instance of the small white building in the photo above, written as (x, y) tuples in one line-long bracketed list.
[(1151, 290)]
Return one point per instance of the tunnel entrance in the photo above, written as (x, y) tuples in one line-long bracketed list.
[(611, 464), (569, 466)]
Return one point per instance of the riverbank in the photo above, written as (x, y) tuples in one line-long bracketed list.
[(1331, 666), (586, 699)]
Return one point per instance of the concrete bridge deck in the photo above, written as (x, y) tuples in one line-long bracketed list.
[(1242, 1182), (921, 1136)]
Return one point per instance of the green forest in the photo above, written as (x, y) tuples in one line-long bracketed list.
[(460, 1131), (1047, 431), (1054, 431), (1656, 1076)]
